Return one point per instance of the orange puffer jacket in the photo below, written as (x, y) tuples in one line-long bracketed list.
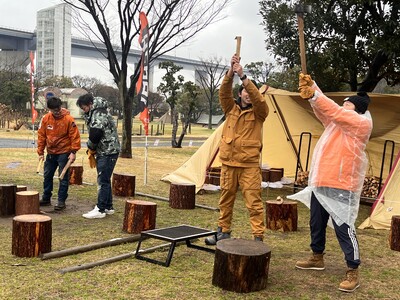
[(59, 135), (241, 140)]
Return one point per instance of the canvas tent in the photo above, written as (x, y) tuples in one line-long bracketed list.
[(387, 203), (290, 120)]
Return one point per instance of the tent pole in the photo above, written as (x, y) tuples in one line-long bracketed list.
[(286, 129)]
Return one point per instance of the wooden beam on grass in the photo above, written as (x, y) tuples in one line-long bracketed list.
[(167, 200), (90, 247)]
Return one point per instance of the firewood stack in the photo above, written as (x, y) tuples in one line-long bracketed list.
[(370, 187), (302, 179)]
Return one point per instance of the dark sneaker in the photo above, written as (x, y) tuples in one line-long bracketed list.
[(59, 206), (259, 238), (220, 236), (44, 202)]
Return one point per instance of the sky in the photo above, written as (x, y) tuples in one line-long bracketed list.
[(217, 40)]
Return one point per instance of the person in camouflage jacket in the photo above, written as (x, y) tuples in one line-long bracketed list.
[(103, 150)]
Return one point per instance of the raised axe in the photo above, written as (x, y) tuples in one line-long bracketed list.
[(300, 10), (238, 45)]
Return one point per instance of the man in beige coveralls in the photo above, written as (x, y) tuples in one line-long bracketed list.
[(239, 152)]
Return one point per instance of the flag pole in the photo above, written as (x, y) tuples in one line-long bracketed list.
[(33, 110), (142, 84)]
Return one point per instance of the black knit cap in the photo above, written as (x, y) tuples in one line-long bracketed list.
[(360, 101)]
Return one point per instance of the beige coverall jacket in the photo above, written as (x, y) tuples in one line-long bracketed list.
[(239, 152)]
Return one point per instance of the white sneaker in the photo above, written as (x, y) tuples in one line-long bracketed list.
[(110, 211), (94, 214)]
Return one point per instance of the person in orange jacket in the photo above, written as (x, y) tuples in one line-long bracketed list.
[(60, 136), (239, 152), (336, 177)]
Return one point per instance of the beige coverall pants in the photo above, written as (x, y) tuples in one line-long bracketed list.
[(249, 180)]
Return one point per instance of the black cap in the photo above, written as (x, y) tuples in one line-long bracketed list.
[(360, 101)]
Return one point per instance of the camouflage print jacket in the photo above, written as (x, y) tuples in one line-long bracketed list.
[(103, 135)]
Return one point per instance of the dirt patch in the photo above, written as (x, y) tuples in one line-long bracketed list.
[(73, 207)]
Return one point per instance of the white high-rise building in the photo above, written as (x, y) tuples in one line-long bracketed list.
[(53, 49)]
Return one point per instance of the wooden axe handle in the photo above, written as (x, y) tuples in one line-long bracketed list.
[(69, 163), (300, 21), (238, 44), (39, 165)]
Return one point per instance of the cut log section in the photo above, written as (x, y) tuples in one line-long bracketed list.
[(31, 235), (265, 175), (7, 199), (75, 175), (139, 216), (213, 176), (27, 202), (123, 185), (182, 195), (281, 215), (394, 237), (22, 188), (275, 174), (241, 265)]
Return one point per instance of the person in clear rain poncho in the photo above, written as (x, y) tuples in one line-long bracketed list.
[(336, 177)]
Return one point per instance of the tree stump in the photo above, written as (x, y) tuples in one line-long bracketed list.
[(241, 265), (22, 188), (213, 176), (275, 174), (75, 175), (394, 237), (265, 175), (31, 235), (123, 185), (7, 199), (281, 215), (139, 216), (182, 195), (27, 202)]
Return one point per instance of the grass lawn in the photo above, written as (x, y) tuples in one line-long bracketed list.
[(190, 273)]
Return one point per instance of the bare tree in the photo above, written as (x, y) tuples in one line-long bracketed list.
[(86, 82), (210, 74), (171, 24)]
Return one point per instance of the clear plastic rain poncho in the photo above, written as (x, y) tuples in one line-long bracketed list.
[(339, 162)]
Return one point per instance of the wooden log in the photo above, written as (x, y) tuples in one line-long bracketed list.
[(115, 258), (394, 237), (7, 199), (22, 188), (31, 235), (75, 175), (265, 175), (241, 265), (139, 216), (90, 247), (281, 215), (123, 185), (27, 202), (167, 200), (275, 174), (182, 195), (213, 176)]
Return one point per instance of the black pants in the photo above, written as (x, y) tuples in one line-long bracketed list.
[(346, 236)]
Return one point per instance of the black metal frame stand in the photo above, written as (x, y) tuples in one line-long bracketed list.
[(174, 235)]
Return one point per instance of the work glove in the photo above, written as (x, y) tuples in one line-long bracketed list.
[(91, 158), (305, 86), (305, 80)]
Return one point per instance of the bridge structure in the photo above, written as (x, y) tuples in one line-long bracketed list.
[(16, 44)]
